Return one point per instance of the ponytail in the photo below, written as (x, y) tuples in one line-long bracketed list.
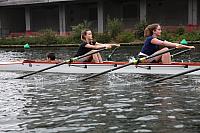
[(149, 29)]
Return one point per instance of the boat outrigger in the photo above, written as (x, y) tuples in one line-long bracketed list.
[(80, 67)]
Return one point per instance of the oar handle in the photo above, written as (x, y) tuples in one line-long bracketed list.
[(67, 61)]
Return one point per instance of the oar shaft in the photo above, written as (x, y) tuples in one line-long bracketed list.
[(175, 75), (181, 52), (68, 61), (29, 74), (110, 55), (161, 53), (110, 70), (85, 55)]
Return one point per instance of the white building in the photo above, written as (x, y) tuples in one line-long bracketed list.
[(60, 15)]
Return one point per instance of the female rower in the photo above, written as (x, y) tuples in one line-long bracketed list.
[(89, 46), (152, 43)]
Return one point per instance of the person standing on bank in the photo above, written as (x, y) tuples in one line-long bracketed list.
[(89, 46), (152, 43)]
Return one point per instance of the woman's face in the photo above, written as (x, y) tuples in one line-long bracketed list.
[(158, 31), (88, 35)]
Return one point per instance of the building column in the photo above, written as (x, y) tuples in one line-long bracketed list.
[(27, 19), (1, 30), (0, 19), (192, 12), (143, 10), (100, 16), (62, 21)]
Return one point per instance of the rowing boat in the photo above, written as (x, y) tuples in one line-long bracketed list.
[(79, 67)]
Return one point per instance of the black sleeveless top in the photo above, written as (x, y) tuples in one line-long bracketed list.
[(83, 50)]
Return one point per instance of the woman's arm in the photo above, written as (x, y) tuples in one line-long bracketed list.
[(109, 45), (169, 44), (96, 46), (100, 45)]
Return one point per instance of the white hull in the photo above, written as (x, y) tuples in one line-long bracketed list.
[(98, 68)]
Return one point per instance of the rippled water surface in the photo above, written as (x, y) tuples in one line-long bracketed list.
[(111, 103)]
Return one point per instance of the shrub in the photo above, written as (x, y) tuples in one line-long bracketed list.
[(47, 36), (114, 26), (20, 41), (6, 41), (12, 41), (139, 30), (192, 36), (102, 37), (125, 37), (180, 31), (169, 36), (64, 40), (34, 40)]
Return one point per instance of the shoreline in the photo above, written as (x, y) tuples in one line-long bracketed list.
[(76, 45), (64, 45)]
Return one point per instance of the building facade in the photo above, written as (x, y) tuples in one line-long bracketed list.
[(61, 15)]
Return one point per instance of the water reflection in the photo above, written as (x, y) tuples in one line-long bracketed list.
[(12, 102)]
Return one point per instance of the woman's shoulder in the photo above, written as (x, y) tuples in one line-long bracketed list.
[(149, 37), (93, 42), (83, 42)]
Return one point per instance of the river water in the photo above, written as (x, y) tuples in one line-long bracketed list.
[(111, 103)]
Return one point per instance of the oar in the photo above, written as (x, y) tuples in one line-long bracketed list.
[(183, 51), (175, 75), (128, 64), (110, 55), (59, 64)]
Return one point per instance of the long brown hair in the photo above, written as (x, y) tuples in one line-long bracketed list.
[(84, 33), (149, 29)]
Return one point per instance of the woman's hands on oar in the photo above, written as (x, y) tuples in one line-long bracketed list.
[(67, 61), (110, 55), (184, 46), (133, 62), (108, 46)]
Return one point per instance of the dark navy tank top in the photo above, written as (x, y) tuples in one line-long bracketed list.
[(149, 48), (83, 50)]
